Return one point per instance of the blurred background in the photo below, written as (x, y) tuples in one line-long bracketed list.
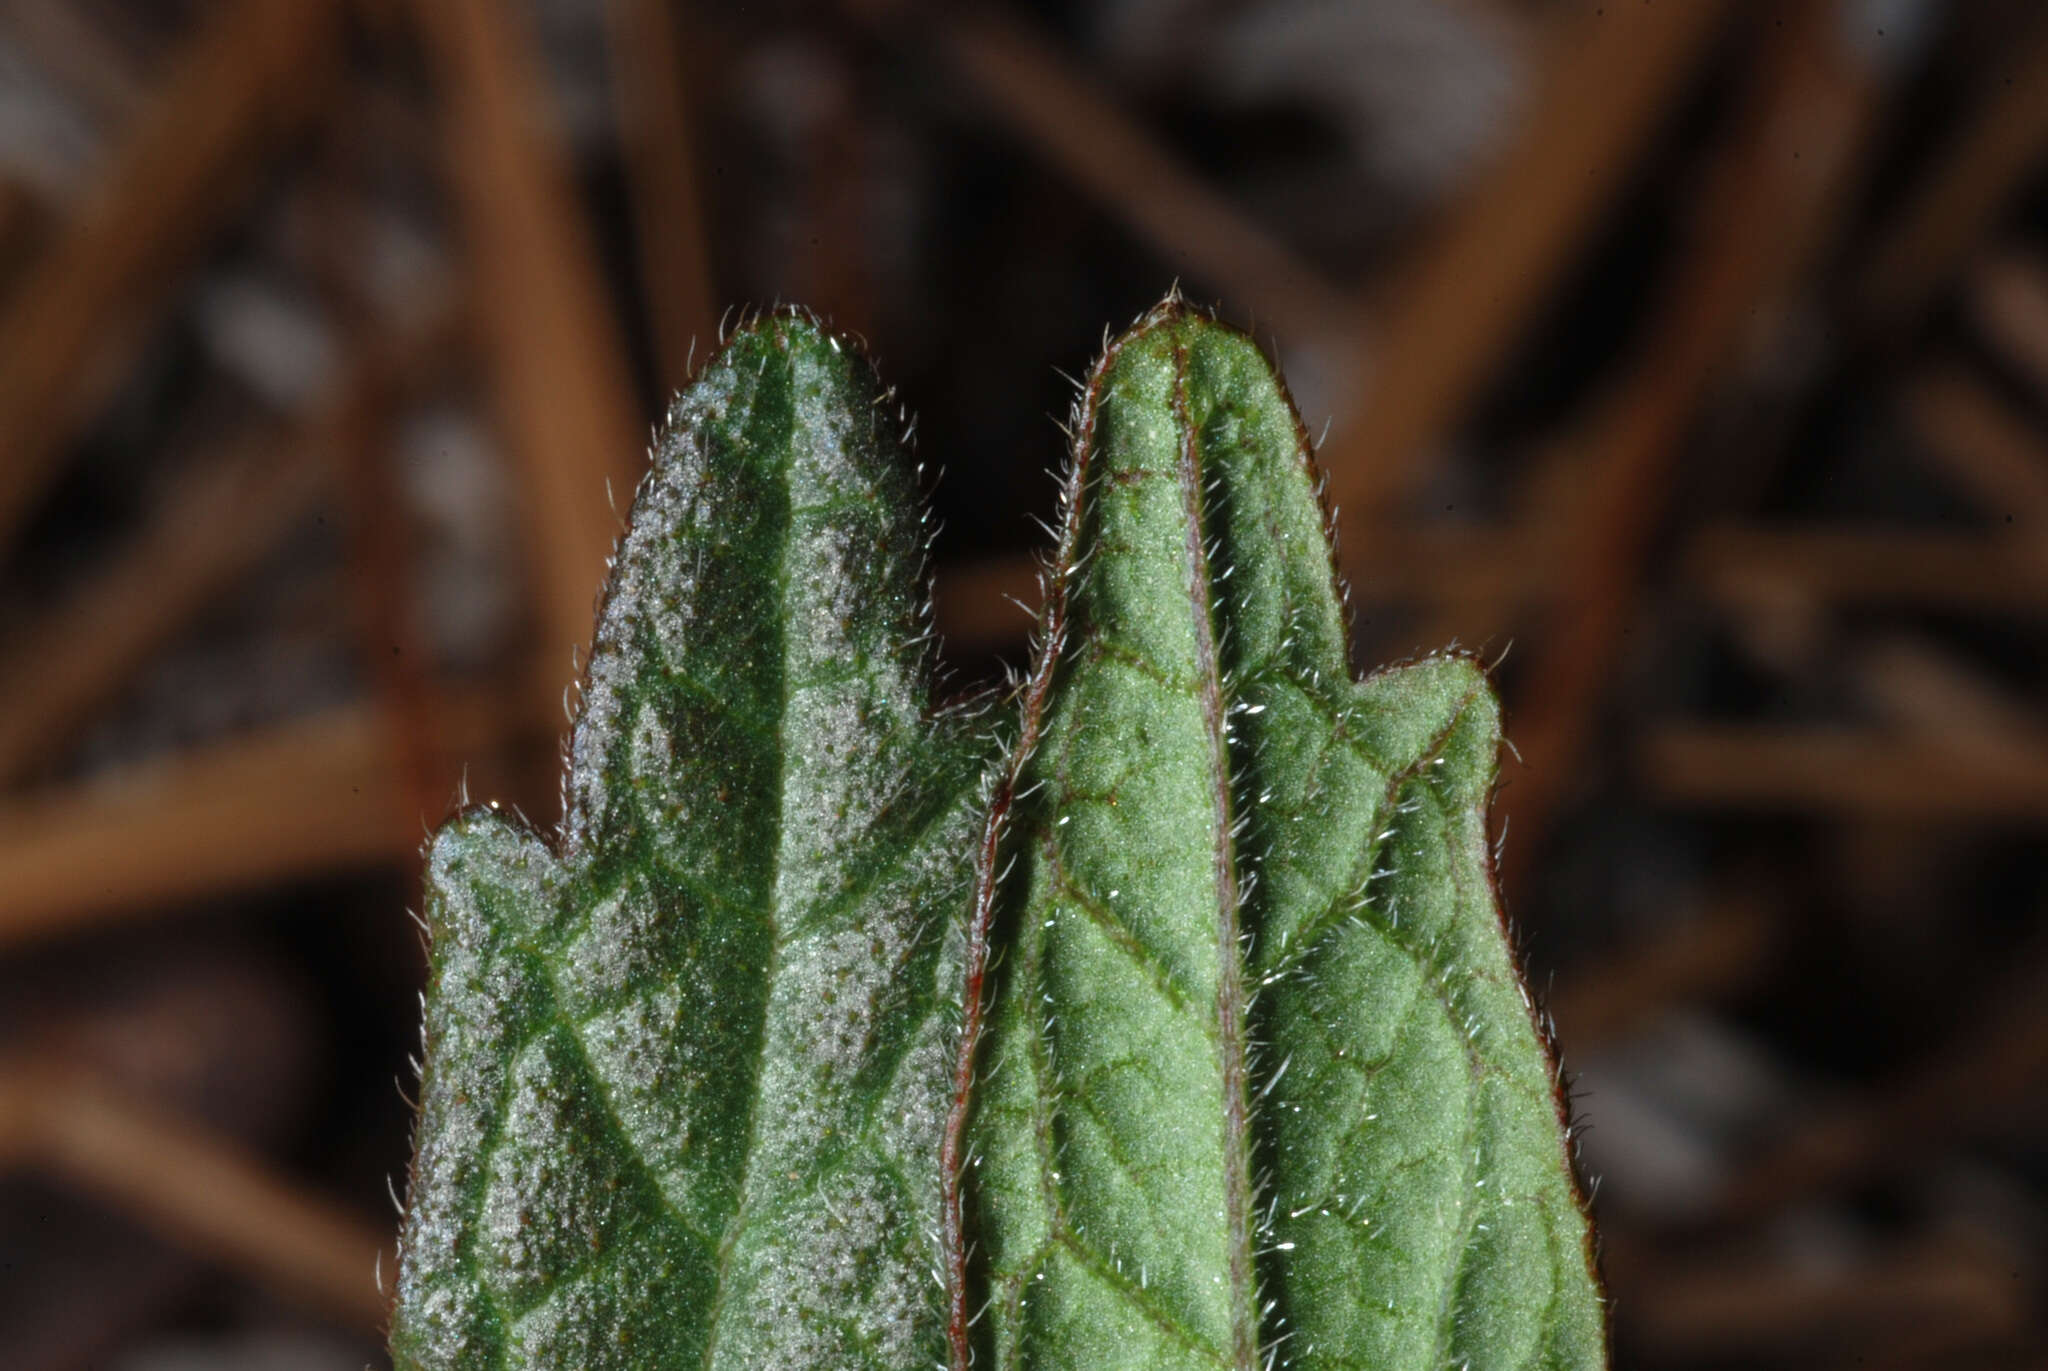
[(1689, 360)]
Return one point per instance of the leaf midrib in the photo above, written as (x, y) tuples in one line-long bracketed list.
[(736, 1225), (1230, 999)]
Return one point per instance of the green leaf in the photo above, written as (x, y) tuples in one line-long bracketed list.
[(687, 1066), (1259, 1078)]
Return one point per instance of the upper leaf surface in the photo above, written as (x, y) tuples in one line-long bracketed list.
[(1260, 1078), (686, 1071)]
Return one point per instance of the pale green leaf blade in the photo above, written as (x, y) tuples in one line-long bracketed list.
[(686, 1079), (1260, 1080)]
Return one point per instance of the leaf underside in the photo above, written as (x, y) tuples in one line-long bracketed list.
[(1260, 1078), (686, 1068), (1257, 1083)]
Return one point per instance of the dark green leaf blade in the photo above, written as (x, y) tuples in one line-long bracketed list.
[(686, 1079), (1259, 1077)]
